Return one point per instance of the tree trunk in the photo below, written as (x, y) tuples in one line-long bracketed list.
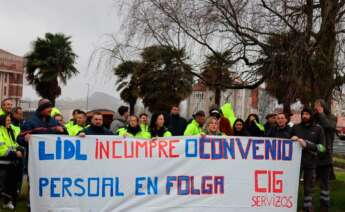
[(287, 109), (131, 108), (217, 97)]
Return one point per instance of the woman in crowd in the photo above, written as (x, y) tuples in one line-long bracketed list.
[(212, 127), (239, 128), (11, 155), (157, 126), (253, 126), (133, 129)]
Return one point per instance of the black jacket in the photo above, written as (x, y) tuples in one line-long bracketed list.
[(93, 130), (277, 132), (313, 134), (328, 123), (176, 125)]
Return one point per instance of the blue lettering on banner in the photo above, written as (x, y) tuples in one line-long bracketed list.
[(64, 150)]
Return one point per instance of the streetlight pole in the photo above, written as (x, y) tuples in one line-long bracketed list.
[(87, 96)]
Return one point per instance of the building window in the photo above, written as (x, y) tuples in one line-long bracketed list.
[(5, 91)]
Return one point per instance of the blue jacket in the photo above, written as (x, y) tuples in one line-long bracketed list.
[(39, 125)]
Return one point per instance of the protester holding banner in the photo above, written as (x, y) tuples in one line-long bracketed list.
[(312, 138), (328, 122), (176, 124), (96, 127), (240, 128), (195, 127), (253, 126), (41, 122), (133, 129), (157, 126), (211, 127), (11, 155), (282, 130)]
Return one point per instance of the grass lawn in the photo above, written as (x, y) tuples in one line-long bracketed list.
[(337, 196)]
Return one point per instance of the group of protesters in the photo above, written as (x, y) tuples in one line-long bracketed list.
[(315, 134)]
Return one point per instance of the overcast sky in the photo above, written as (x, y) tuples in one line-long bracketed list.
[(87, 21)]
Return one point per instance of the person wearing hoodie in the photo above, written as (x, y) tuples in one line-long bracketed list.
[(121, 121), (175, 123), (253, 126), (96, 127), (195, 127), (239, 128), (312, 139), (328, 122), (157, 126), (133, 130)]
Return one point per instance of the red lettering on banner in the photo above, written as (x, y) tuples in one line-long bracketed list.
[(276, 201), (274, 182)]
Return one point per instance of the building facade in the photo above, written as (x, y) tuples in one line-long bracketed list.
[(11, 76), (244, 101)]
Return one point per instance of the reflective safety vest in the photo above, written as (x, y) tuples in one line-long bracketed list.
[(141, 134), (73, 130), (193, 129), (229, 113), (144, 127), (7, 144), (55, 111)]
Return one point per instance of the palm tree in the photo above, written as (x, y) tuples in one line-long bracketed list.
[(51, 60), (127, 82), (216, 72)]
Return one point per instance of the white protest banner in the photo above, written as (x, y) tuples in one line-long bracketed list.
[(109, 173)]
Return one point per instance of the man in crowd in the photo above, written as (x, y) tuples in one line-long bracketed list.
[(72, 121), (121, 121), (195, 127), (17, 119), (41, 123), (312, 139), (96, 127), (176, 124), (6, 106), (144, 122), (282, 130), (328, 122), (80, 124), (271, 121)]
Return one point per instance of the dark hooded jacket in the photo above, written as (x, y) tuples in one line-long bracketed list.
[(328, 122), (313, 134)]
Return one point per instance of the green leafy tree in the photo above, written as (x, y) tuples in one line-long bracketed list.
[(165, 78), (51, 60), (127, 82), (217, 74)]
